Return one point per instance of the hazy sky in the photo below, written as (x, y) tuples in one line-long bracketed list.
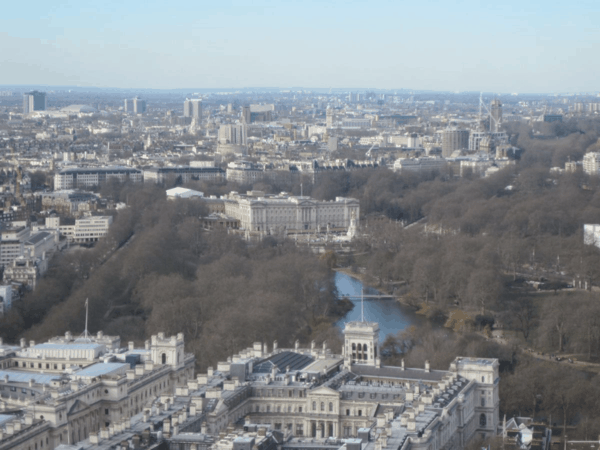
[(506, 46)]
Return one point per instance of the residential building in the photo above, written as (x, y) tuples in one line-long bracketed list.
[(454, 139), (34, 101), (192, 108), (591, 163), (233, 134)]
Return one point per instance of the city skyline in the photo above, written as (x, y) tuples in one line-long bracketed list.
[(534, 48)]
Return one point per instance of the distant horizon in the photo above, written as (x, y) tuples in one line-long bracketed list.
[(320, 90)]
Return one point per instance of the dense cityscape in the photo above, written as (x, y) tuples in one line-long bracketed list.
[(138, 217)]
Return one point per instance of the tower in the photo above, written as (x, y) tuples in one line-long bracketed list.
[(495, 116), (246, 114), (167, 350), (361, 344), (454, 139), (34, 101), (485, 373), (329, 117), (139, 106), (192, 108)]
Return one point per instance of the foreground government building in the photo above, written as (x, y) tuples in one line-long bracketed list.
[(94, 394)]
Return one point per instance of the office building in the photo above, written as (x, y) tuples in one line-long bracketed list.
[(76, 177), (70, 389), (424, 164), (454, 139), (192, 108), (185, 173), (246, 114), (34, 101), (233, 134), (139, 106), (134, 105)]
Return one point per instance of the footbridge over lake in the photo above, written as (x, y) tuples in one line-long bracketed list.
[(369, 297)]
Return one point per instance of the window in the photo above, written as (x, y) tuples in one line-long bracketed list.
[(314, 405), (299, 429), (482, 401), (289, 393), (482, 420), (360, 412), (330, 407), (106, 411), (322, 406), (347, 412), (483, 379)]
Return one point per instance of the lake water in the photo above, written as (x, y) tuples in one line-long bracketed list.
[(391, 315)]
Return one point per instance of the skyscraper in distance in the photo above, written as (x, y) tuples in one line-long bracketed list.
[(192, 108), (34, 101), (495, 115)]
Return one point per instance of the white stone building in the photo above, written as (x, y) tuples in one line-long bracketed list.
[(258, 212)]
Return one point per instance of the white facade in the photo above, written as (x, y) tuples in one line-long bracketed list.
[(90, 229), (86, 177), (180, 192), (591, 163), (419, 164), (266, 213), (591, 234)]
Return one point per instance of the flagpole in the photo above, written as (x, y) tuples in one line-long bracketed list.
[(86, 318)]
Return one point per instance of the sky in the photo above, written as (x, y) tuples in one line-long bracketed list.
[(462, 45)]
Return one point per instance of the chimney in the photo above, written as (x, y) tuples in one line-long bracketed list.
[(131, 345), (23, 343), (147, 345), (32, 343), (100, 334), (427, 367), (324, 346), (274, 346), (402, 364), (297, 345)]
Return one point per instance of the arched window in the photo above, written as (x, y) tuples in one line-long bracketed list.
[(482, 420), (365, 348), (330, 407), (359, 347), (164, 358), (314, 406)]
